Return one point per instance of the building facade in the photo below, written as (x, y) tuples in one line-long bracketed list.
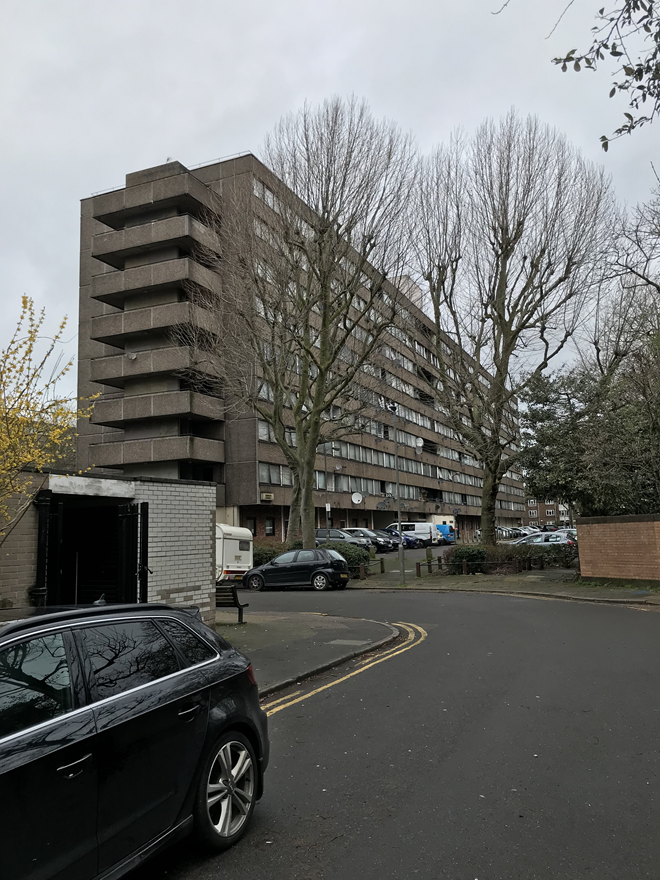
[(546, 513), (144, 271)]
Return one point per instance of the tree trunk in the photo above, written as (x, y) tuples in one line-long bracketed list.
[(307, 510), (293, 530), (488, 497)]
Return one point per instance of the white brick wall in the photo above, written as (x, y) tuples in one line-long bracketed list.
[(181, 544)]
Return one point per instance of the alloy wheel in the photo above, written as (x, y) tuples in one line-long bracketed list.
[(256, 582), (230, 789), (320, 582)]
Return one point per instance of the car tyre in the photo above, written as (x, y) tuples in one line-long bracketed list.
[(320, 581), (227, 792), (256, 582)]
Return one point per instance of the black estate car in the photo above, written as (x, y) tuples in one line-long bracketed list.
[(121, 729), (321, 569)]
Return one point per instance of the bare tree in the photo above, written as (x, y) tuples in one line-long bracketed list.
[(511, 231), (306, 258)]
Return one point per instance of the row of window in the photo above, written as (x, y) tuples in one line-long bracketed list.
[(550, 512), (280, 475)]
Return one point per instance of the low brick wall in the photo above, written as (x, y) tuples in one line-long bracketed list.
[(619, 547)]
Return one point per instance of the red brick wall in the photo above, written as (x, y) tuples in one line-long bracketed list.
[(620, 547)]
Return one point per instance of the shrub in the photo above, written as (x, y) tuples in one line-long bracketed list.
[(559, 556), (263, 553), (353, 554)]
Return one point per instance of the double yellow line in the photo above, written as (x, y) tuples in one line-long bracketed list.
[(415, 636)]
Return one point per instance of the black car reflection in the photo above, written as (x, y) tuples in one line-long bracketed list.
[(122, 728), (321, 569)]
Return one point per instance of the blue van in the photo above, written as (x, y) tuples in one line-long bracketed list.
[(447, 533)]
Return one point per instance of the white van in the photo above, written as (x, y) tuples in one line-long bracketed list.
[(423, 531), (233, 552)]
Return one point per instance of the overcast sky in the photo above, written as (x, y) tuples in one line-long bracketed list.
[(91, 91)]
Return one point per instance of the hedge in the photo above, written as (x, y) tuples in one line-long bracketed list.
[(558, 556), (353, 554)]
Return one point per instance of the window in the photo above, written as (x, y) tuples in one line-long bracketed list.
[(285, 558), (251, 524), (190, 645), (34, 683), (306, 556), (270, 525), (550, 512), (243, 546), (531, 502), (533, 513), (128, 654)]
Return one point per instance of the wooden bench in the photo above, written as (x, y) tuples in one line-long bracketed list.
[(226, 596)]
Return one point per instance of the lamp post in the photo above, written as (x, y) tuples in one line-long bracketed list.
[(325, 477), (402, 568)]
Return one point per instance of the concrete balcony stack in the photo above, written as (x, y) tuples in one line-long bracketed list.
[(147, 252)]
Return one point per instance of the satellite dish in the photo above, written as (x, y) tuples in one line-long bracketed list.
[(356, 498)]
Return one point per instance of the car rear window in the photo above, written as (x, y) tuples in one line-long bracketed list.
[(191, 646), (333, 554), (128, 654)]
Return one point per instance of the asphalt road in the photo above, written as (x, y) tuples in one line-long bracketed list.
[(520, 739)]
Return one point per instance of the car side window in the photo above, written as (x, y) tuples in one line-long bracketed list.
[(306, 556), (285, 557), (334, 533), (190, 645), (35, 684), (128, 654)]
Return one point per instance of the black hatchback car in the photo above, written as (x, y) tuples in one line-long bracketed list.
[(121, 729), (321, 569)]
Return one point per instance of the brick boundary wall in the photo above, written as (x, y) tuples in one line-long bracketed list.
[(619, 547), (18, 552)]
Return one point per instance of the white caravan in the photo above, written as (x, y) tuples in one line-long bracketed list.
[(233, 552)]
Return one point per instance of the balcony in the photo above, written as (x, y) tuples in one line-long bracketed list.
[(115, 329), (125, 452), (115, 288), (180, 404), (183, 232), (181, 191), (115, 369)]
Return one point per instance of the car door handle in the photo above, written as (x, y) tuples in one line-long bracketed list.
[(70, 771), (189, 713)]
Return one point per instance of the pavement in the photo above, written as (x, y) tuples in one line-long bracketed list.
[(559, 583), (286, 647)]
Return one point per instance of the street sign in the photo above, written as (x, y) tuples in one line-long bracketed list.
[(327, 507)]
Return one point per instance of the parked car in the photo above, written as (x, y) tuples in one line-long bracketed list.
[(322, 569), (122, 728), (410, 542), (382, 543), (547, 538), (394, 537), (324, 536)]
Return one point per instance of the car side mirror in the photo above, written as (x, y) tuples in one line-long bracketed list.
[(272, 562)]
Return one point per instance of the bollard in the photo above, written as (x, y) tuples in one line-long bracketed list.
[(541, 562), (363, 576), (464, 566), (382, 565), (418, 569)]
